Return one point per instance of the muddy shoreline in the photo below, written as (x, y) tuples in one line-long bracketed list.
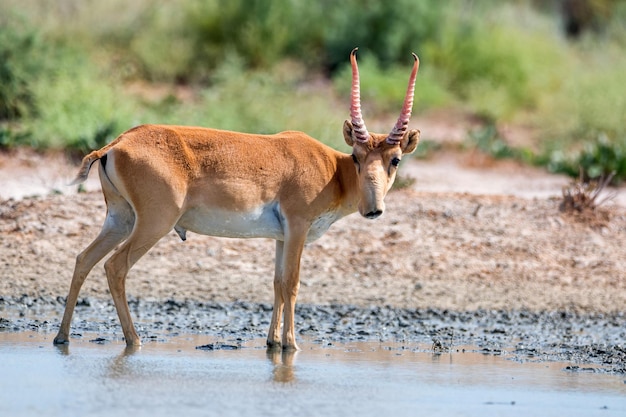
[(502, 274), (589, 342)]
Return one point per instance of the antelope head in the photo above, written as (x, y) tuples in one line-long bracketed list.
[(377, 156)]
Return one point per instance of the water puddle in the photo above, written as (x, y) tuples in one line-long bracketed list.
[(172, 377)]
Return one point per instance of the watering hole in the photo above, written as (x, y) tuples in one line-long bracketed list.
[(191, 374), (361, 361)]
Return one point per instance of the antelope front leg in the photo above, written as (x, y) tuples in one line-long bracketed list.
[(294, 244), (273, 336), (290, 293)]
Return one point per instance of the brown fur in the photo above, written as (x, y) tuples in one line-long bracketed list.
[(286, 186), (155, 175)]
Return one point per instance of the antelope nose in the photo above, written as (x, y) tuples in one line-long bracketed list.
[(373, 214)]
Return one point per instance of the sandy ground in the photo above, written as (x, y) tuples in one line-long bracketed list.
[(469, 234)]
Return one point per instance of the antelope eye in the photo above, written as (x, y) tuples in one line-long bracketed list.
[(395, 161)]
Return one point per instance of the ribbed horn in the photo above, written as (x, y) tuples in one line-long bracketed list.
[(401, 125), (360, 131)]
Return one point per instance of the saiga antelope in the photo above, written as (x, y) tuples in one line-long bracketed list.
[(287, 186)]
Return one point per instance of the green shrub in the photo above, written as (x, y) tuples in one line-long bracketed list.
[(19, 66), (484, 58), (159, 50), (487, 140), (257, 30), (76, 103), (389, 30), (590, 99), (597, 159), (273, 101), (11, 138), (250, 66), (259, 101), (319, 33), (602, 159)]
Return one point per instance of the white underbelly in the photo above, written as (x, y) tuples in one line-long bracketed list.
[(264, 221)]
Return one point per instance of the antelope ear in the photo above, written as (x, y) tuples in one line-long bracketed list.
[(409, 141), (347, 133)]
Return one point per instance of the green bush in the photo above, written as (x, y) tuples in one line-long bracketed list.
[(159, 50), (319, 33), (590, 99), (488, 140), (490, 59), (256, 30), (76, 102), (603, 158), (255, 101), (258, 66), (19, 66), (597, 159), (11, 138), (389, 30)]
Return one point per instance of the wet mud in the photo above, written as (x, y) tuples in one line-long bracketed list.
[(588, 342)]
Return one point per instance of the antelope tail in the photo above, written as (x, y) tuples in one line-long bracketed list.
[(85, 166)]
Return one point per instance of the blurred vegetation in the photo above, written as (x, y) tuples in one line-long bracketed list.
[(75, 73)]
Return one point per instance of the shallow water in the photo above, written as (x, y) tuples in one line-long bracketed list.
[(172, 377)]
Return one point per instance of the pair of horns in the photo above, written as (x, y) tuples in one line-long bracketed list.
[(399, 129)]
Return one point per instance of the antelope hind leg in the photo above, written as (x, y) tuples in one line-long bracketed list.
[(116, 228), (145, 235)]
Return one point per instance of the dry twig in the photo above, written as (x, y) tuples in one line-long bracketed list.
[(581, 196)]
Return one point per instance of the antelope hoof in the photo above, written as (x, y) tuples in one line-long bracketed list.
[(61, 340), (290, 347), (273, 346), (133, 342)]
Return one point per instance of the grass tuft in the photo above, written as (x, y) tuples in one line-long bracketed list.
[(583, 195)]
